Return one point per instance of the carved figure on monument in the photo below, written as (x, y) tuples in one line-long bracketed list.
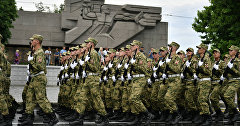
[(111, 25)]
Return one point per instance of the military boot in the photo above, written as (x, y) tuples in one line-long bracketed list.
[(53, 119), (189, 117), (72, 117), (148, 117), (127, 116), (109, 112), (103, 121), (5, 120), (236, 115), (196, 117), (136, 120), (169, 117), (116, 114), (164, 115), (200, 120), (219, 115), (78, 121), (28, 121), (175, 118), (207, 120), (22, 110)]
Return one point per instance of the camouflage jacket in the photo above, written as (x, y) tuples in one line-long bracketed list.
[(174, 66), (188, 72), (205, 70), (216, 74), (38, 63)]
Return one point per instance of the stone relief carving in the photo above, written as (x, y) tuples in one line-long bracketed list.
[(110, 24)]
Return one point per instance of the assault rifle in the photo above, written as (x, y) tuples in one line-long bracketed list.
[(30, 66), (118, 71), (87, 66)]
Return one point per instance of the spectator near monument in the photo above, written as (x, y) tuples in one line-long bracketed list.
[(150, 53), (17, 57), (56, 57), (63, 50), (48, 54)]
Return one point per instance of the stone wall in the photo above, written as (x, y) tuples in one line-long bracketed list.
[(19, 72)]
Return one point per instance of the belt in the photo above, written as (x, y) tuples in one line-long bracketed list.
[(34, 75), (93, 74), (158, 79), (190, 80), (174, 75), (205, 79), (234, 78), (216, 81), (139, 75)]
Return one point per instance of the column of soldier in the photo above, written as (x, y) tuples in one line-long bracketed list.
[(8, 105), (129, 87)]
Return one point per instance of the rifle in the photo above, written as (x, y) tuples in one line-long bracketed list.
[(60, 76), (167, 67), (214, 71), (69, 69), (131, 69), (198, 69), (125, 72), (117, 71), (186, 69), (152, 76), (87, 66), (74, 70), (80, 68), (109, 71), (103, 73), (30, 66)]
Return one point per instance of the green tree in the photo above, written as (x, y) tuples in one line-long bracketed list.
[(8, 14), (219, 24)]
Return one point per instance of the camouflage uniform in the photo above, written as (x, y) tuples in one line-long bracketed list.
[(36, 92), (232, 74), (191, 90), (174, 83), (204, 85), (91, 86), (3, 99), (216, 92)]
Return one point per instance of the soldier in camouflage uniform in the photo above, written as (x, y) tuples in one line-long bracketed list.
[(4, 120), (137, 75), (203, 74), (118, 88), (91, 85), (190, 93), (36, 92), (216, 93), (232, 74), (238, 92), (173, 79)]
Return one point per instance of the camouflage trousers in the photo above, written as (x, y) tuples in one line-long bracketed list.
[(174, 87), (36, 94), (24, 93), (108, 90), (117, 95), (238, 96), (126, 91), (73, 91), (161, 93), (77, 104), (60, 95), (154, 96), (204, 88), (135, 98), (216, 94), (229, 95), (191, 96), (67, 88), (3, 99), (91, 86), (9, 97), (146, 99)]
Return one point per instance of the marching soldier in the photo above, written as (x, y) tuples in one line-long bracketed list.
[(217, 93), (4, 115), (137, 75), (232, 74), (173, 79), (91, 85), (190, 86), (36, 92), (203, 74)]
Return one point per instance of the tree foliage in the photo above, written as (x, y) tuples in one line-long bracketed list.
[(8, 14), (219, 24)]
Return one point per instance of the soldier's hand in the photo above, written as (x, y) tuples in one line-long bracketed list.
[(222, 78), (164, 76), (114, 78), (200, 63), (105, 78), (81, 62), (160, 63), (216, 66), (77, 76), (155, 75), (30, 58), (155, 68), (187, 63), (119, 66), (195, 76), (122, 78), (133, 61), (105, 68), (168, 60), (129, 76), (126, 66), (87, 58), (230, 65), (84, 74), (110, 65), (182, 76), (62, 68)]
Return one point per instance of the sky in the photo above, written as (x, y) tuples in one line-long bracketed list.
[(178, 13)]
